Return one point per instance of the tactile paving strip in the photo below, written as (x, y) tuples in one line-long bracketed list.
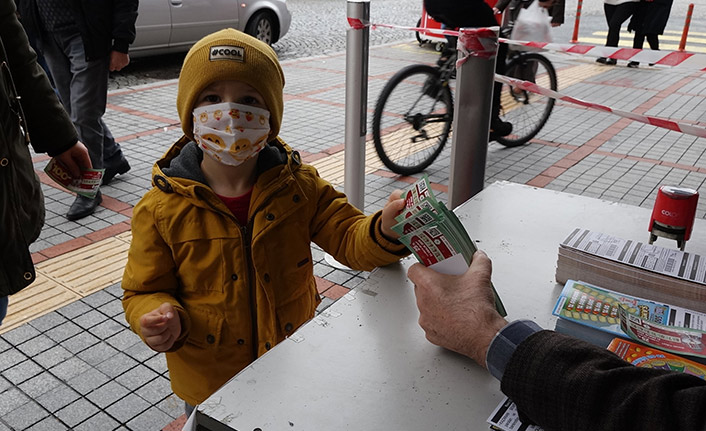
[(69, 277)]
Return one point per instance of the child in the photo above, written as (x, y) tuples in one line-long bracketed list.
[(220, 267)]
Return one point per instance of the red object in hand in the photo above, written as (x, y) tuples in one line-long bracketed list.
[(673, 214)]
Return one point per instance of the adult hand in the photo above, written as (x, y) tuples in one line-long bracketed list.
[(458, 311), (161, 327), (75, 159), (392, 208), (118, 60), (556, 24)]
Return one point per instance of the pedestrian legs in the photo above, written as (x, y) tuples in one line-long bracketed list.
[(83, 89)]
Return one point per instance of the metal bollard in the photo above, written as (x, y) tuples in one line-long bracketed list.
[(357, 46), (475, 73)]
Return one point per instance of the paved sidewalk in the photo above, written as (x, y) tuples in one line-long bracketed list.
[(68, 360)]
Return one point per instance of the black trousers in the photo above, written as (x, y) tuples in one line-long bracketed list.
[(639, 40), (615, 16)]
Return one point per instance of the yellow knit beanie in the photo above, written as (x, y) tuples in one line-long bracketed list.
[(230, 55)]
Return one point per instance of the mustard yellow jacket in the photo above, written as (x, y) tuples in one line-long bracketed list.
[(239, 290)]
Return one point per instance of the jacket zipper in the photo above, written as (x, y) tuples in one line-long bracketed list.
[(247, 233)]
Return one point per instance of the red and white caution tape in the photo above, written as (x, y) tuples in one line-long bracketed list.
[(654, 121), (479, 47), (679, 59), (477, 42), (439, 31), (357, 24), (686, 60)]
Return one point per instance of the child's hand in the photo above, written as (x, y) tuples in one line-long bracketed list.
[(161, 327), (393, 207)]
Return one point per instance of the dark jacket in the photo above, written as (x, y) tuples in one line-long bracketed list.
[(562, 383), (51, 131), (556, 11), (461, 13), (651, 17), (105, 25)]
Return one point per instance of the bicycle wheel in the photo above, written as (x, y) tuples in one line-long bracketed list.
[(412, 119), (528, 112)]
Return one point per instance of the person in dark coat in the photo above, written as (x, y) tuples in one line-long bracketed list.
[(82, 41), (648, 22), (27, 103), (558, 382)]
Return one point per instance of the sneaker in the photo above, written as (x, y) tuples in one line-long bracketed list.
[(633, 64)]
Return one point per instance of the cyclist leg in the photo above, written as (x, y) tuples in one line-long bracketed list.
[(449, 48), (499, 127)]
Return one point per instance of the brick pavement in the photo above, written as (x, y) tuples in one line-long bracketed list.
[(68, 360)]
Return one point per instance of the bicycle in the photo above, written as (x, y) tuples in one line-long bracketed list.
[(414, 112)]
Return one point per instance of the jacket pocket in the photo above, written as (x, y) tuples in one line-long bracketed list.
[(202, 269), (206, 328), (296, 312)]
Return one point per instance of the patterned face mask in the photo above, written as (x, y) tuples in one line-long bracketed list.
[(231, 133)]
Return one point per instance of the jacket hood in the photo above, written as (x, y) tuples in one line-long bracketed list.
[(179, 170)]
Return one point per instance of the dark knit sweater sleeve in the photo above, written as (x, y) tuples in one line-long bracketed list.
[(562, 383)]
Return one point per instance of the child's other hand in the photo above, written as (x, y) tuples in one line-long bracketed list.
[(393, 207), (161, 327)]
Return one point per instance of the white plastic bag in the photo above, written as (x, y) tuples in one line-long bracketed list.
[(532, 24)]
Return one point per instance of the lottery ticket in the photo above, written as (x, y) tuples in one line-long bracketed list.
[(670, 338), (419, 191), (435, 234), (415, 221), (87, 184), (417, 198), (645, 357), (505, 417), (409, 212), (431, 244), (467, 245)]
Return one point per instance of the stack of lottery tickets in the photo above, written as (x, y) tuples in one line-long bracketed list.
[(435, 234)]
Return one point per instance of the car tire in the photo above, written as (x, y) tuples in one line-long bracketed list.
[(263, 26)]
